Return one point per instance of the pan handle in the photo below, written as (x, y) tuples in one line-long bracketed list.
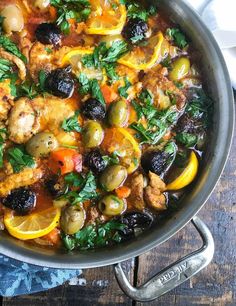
[(173, 275)]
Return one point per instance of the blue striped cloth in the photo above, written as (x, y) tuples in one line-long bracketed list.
[(17, 278)]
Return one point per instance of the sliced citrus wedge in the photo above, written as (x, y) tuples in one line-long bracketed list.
[(106, 18), (121, 141), (74, 56), (32, 226), (187, 176), (141, 58)]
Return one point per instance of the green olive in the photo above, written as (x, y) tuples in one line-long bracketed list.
[(113, 177), (72, 219), (92, 134), (59, 203), (118, 113), (180, 69), (110, 205), (41, 144), (13, 18)]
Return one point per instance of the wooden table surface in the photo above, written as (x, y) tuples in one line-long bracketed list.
[(215, 285)]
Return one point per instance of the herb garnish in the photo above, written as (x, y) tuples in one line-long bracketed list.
[(123, 90), (19, 158), (136, 10), (106, 58), (113, 159), (86, 185), (158, 122), (90, 86), (71, 9), (178, 37), (94, 236), (11, 47), (6, 71), (71, 124), (187, 139)]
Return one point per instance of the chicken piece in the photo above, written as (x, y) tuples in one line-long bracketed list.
[(153, 193), (28, 117), (6, 99), (16, 60), (40, 59), (136, 196), (159, 85), (26, 177), (52, 111), (23, 121)]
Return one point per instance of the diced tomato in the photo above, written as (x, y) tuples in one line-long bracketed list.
[(123, 192), (77, 162), (53, 237), (65, 161), (108, 93)]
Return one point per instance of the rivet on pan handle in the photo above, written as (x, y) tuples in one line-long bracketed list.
[(175, 274)]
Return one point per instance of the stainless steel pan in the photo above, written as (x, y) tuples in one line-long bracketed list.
[(219, 87)]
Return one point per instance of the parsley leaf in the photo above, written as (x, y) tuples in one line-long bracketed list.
[(71, 124), (104, 57), (19, 158), (187, 139), (158, 122), (87, 188), (71, 9), (178, 37), (90, 86), (113, 159), (123, 90), (94, 236), (11, 47), (5, 69), (137, 10)]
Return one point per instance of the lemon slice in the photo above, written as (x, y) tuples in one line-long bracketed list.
[(74, 56), (187, 176), (106, 18), (141, 58), (121, 141), (32, 226)]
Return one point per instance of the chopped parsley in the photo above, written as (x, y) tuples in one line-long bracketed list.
[(137, 10), (178, 37), (71, 9), (71, 124), (90, 86), (48, 50), (187, 139), (123, 90), (113, 159), (28, 88), (11, 47), (94, 236), (6, 70), (104, 57), (158, 122), (86, 185), (19, 158)]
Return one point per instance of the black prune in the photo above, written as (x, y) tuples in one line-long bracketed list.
[(48, 33), (22, 200), (60, 83), (135, 222), (155, 161), (94, 161), (135, 30), (93, 109), (55, 185)]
